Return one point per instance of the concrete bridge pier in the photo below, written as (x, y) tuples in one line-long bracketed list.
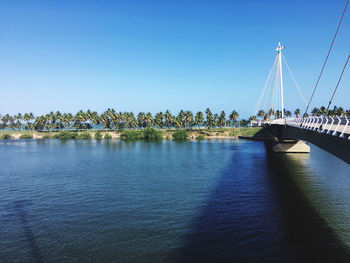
[(290, 146)]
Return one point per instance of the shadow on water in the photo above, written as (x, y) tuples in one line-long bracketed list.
[(258, 214), (312, 239), (19, 209)]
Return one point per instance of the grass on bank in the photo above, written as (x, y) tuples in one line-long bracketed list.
[(108, 136), (148, 134), (180, 135), (5, 137), (249, 131), (26, 136), (98, 135)]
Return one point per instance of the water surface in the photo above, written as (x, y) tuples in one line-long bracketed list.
[(208, 201)]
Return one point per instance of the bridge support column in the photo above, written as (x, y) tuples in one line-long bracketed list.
[(291, 146)]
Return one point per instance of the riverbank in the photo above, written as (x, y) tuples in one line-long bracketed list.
[(216, 133)]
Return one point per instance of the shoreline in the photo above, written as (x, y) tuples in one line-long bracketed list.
[(194, 134)]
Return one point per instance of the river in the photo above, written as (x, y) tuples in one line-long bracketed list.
[(208, 201)]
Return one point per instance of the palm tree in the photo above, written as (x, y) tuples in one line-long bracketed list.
[(244, 123), (141, 119), (323, 110), (234, 117), (168, 118), (252, 118), (158, 119), (5, 119), (339, 112), (315, 112), (130, 121), (297, 113), (188, 119), (270, 112), (278, 114), (67, 118), (40, 122), (261, 114), (113, 117), (149, 119), (19, 119), (95, 118), (287, 113), (222, 119), (178, 122), (209, 118), (79, 119), (180, 118), (199, 119), (104, 119)]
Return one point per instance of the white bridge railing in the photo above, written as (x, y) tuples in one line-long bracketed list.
[(333, 125)]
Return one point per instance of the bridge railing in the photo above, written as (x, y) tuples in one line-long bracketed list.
[(333, 125)]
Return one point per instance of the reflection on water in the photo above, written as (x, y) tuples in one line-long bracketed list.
[(208, 201)]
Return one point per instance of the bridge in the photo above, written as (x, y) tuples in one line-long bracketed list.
[(330, 133)]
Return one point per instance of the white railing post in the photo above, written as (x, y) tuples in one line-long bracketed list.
[(330, 125), (303, 123), (311, 123), (320, 126), (336, 129), (300, 122), (316, 123), (346, 125), (307, 123), (323, 130)]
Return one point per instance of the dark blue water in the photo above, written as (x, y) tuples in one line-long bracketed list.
[(208, 201)]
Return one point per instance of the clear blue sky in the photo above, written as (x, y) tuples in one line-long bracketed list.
[(157, 55)]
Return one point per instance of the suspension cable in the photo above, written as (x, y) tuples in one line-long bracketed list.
[(270, 85), (263, 91), (329, 51), (295, 82), (341, 75)]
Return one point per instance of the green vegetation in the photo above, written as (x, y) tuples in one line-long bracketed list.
[(65, 135), (322, 111), (26, 136), (84, 136), (111, 119), (149, 134), (131, 135), (5, 137), (251, 131), (200, 137), (180, 135), (108, 136), (98, 135)]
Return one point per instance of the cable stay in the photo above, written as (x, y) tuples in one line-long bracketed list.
[(336, 88), (329, 52), (265, 86), (295, 82), (272, 93)]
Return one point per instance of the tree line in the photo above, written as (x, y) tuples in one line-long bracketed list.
[(322, 111), (111, 119)]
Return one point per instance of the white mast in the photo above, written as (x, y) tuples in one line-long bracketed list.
[(279, 56)]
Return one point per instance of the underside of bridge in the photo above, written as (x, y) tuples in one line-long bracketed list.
[(339, 147)]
